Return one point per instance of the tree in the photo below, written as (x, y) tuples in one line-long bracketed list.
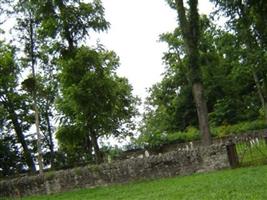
[(14, 106), (27, 25), (248, 20), (189, 25), (68, 23), (230, 92), (95, 100), (47, 93), (11, 160), (169, 107), (84, 72)]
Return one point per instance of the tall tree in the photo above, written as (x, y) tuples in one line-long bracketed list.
[(13, 104), (189, 25), (230, 92), (27, 25), (39, 58), (87, 76), (11, 161), (248, 20), (96, 101)]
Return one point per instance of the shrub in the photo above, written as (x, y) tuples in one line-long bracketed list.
[(239, 128), (154, 140)]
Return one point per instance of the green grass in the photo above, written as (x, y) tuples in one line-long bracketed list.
[(238, 184), (255, 154)]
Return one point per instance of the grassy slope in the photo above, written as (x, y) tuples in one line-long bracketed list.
[(238, 184)]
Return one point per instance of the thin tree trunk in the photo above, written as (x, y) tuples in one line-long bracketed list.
[(39, 138), (67, 33), (262, 92), (50, 140), (37, 121), (261, 95), (265, 111), (21, 139), (88, 146)]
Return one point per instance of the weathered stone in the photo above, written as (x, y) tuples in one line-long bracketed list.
[(182, 162)]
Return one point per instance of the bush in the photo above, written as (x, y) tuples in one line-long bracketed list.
[(239, 128), (154, 140)]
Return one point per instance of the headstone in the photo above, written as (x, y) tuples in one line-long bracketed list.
[(186, 147), (146, 154), (191, 145), (109, 159)]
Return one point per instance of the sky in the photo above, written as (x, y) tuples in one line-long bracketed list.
[(134, 34)]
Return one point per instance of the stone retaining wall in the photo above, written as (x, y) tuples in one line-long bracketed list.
[(179, 162), (164, 148)]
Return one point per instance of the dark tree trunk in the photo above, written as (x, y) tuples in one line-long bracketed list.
[(67, 34), (265, 111), (97, 153), (21, 139), (262, 97), (190, 32), (202, 113)]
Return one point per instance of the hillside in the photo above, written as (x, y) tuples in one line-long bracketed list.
[(238, 184)]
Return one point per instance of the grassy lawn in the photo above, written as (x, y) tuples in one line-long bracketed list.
[(238, 184), (255, 154)]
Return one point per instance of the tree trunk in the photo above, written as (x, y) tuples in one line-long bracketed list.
[(34, 95), (98, 155), (67, 34), (88, 146), (190, 32), (39, 138), (21, 139), (202, 113), (265, 111), (261, 94), (50, 138)]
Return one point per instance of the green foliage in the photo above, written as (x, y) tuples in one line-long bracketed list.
[(93, 93), (69, 20), (230, 89), (70, 136), (11, 160), (15, 116), (239, 128), (95, 101), (238, 184), (247, 19), (189, 134), (156, 139)]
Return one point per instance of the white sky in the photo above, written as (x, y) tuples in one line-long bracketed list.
[(134, 34)]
